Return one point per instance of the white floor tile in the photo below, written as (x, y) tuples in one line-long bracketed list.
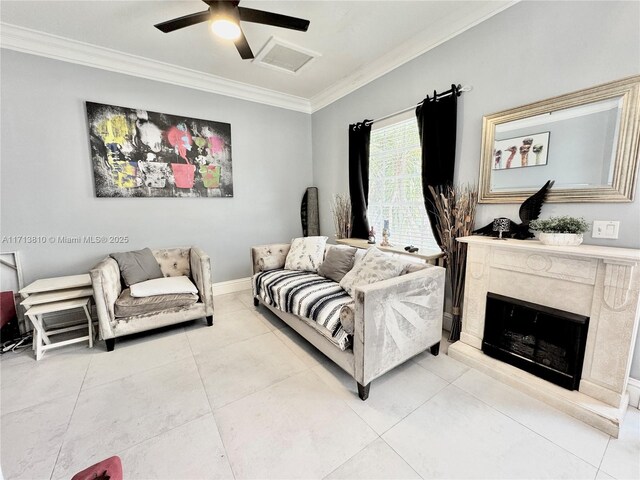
[(230, 302), (603, 476), (377, 461), (392, 397), (232, 372), (57, 375), (137, 354), (191, 451), (571, 434), (227, 328), (246, 297), (622, 458), (31, 438), (309, 354), (442, 365), (455, 435), (112, 417), (271, 320), (305, 431)]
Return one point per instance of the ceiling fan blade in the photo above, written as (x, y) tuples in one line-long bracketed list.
[(274, 19), (243, 47), (181, 22)]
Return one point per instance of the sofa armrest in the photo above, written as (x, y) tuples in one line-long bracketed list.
[(277, 250), (200, 264), (396, 319), (105, 278)]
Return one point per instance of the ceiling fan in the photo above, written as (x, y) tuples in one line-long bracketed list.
[(226, 15)]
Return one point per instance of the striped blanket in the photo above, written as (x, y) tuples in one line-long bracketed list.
[(307, 295)]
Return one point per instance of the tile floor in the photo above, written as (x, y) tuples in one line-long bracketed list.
[(248, 398)]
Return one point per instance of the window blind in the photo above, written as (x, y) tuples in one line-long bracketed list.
[(395, 185)]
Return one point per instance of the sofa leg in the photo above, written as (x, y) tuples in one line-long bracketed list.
[(256, 302), (363, 391), (111, 344), (210, 320), (435, 349)]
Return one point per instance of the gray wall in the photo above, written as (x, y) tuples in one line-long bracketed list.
[(529, 52), (47, 179)]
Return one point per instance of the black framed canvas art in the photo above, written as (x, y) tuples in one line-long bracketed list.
[(138, 153)]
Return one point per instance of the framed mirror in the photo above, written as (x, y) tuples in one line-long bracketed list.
[(587, 141)]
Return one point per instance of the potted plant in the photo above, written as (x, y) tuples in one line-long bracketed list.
[(561, 231)]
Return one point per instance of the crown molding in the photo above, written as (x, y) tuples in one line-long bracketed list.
[(392, 60), (30, 41)]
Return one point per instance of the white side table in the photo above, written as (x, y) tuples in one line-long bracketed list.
[(41, 338), (59, 294)]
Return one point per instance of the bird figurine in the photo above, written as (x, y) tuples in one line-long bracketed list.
[(529, 210)]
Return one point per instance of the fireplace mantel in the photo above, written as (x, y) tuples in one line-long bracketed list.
[(602, 283)]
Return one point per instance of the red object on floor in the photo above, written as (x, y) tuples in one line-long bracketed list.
[(7, 308), (110, 468)]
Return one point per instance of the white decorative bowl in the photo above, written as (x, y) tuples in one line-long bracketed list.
[(560, 239)]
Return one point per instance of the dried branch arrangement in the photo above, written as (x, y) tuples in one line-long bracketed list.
[(341, 210), (455, 208)]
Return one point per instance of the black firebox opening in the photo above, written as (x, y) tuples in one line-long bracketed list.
[(546, 342)]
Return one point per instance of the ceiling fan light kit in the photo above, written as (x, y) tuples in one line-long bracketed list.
[(225, 28), (226, 15)]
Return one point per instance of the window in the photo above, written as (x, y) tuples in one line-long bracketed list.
[(395, 184)]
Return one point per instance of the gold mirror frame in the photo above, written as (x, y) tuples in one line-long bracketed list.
[(626, 162)]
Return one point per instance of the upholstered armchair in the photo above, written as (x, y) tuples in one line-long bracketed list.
[(107, 288)]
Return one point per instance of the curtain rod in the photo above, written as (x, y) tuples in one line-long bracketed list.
[(459, 89)]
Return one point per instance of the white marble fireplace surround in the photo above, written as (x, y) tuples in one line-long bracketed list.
[(602, 283)]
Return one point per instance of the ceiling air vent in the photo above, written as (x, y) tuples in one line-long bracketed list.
[(284, 56)]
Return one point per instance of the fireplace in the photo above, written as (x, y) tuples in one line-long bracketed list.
[(544, 341), (601, 283)]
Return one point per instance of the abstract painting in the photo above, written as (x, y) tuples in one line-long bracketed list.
[(526, 151), (137, 153)]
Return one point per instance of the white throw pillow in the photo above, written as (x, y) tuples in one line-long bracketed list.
[(306, 254), (375, 266), (163, 286)]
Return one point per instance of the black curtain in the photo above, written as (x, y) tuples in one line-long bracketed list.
[(359, 137), (437, 128)]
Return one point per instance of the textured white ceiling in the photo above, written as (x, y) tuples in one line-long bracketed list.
[(351, 36)]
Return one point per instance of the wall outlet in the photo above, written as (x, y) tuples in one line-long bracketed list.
[(605, 229)]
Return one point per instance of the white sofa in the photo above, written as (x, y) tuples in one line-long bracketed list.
[(192, 262), (393, 321)]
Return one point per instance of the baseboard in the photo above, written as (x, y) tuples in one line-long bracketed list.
[(232, 286), (633, 387)]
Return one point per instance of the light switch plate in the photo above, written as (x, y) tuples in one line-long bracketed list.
[(605, 229)]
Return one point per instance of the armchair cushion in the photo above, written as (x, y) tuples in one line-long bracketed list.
[(128, 306), (174, 262), (163, 286), (137, 266)]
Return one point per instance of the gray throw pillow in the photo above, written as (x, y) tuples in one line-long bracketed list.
[(337, 262), (137, 266)]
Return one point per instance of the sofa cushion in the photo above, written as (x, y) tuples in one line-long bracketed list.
[(137, 266), (347, 317), (305, 254), (163, 286), (306, 295), (337, 262), (375, 266), (128, 306)]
